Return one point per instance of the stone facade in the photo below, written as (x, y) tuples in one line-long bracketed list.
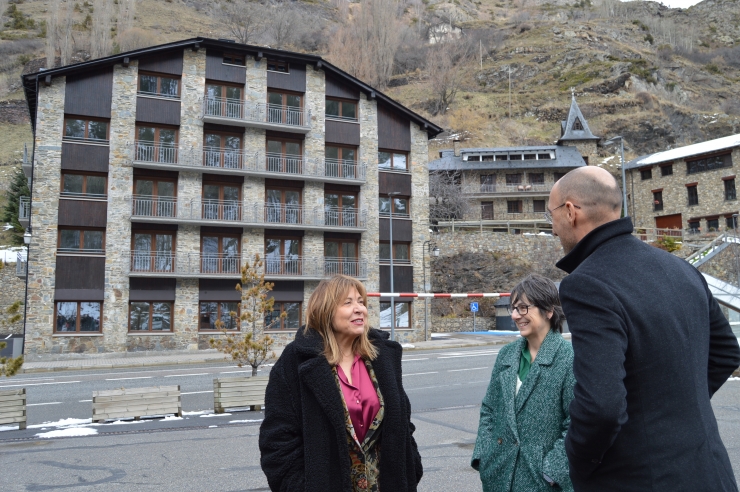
[(587, 148), (12, 289), (368, 115)]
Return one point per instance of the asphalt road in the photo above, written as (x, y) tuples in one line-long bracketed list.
[(202, 452)]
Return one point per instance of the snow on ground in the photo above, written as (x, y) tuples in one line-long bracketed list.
[(9, 254), (215, 414), (4, 428), (62, 423), (407, 345), (200, 412), (244, 421), (69, 432), (440, 335)]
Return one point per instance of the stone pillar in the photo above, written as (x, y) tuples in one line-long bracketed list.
[(40, 316), (313, 153), (368, 155)]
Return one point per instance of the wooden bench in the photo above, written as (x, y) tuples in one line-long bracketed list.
[(136, 403), (13, 407), (239, 392)]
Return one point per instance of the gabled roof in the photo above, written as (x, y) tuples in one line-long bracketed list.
[(576, 126), (31, 80), (698, 149), (565, 157)]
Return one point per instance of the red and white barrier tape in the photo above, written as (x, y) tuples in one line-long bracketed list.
[(422, 294)]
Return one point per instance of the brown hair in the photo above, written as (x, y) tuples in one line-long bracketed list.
[(322, 305)]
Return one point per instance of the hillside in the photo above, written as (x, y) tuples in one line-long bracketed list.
[(660, 77)]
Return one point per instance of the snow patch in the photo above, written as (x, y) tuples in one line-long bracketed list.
[(171, 417), (4, 428), (244, 421), (407, 345), (62, 423), (733, 379), (70, 432), (200, 412), (212, 426), (215, 414)]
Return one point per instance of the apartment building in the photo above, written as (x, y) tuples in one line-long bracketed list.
[(689, 188), (157, 173)]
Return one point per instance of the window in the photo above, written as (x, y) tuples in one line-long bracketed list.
[(218, 316), (543, 157), (343, 110), (514, 206), (285, 108), (78, 317), (283, 256), (154, 197), (657, 201), (291, 320), (693, 195), (220, 254), (730, 222), (222, 150), (223, 100), (84, 185), (473, 158), (234, 59), (284, 156), (538, 206), (709, 164), (486, 210), (340, 256), (514, 179), (646, 174), (278, 66), (400, 252), (222, 201), (150, 316), (340, 209), (713, 224), (81, 241), (730, 193), (153, 251), (156, 144), (530, 157), (159, 85), (577, 125), (666, 170), (400, 206), (694, 226), (488, 183), (341, 162), (537, 178), (85, 129), (283, 205), (557, 176), (392, 160), (403, 314)]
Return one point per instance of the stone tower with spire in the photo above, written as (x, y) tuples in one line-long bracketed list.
[(575, 132)]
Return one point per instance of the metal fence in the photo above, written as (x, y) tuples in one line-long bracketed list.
[(21, 266), (256, 112)]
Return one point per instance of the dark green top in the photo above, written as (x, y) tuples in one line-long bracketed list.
[(525, 362)]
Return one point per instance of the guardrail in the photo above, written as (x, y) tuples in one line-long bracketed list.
[(152, 152), (653, 234), (251, 112), (21, 266), (473, 189), (298, 266), (24, 210)]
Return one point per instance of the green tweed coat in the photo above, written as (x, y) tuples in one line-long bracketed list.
[(521, 435)]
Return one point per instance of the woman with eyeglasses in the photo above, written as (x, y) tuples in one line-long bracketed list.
[(524, 416)]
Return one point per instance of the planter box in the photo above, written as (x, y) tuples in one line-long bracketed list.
[(239, 392), (136, 403), (13, 407)]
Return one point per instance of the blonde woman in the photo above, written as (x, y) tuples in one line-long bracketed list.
[(334, 395)]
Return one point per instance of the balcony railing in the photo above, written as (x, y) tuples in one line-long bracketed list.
[(159, 153), (299, 266), (21, 266), (259, 114), (476, 189), (24, 210), (234, 211)]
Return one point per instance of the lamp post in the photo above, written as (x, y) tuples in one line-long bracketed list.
[(27, 236), (432, 252), (624, 179), (390, 237)]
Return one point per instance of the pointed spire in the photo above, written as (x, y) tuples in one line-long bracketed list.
[(575, 127)]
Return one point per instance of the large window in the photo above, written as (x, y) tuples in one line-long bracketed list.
[(730, 193), (93, 130), (159, 85), (488, 183), (513, 179), (514, 206), (536, 178), (343, 110), (399, 206), (395, 161), (400, 252), (153, 251), (156, 144), (693, 195), (291, 320), (340, 256), (222, 201), (283, 256), (403, 314), (155, 197), (709, 163), (84, 185), (81, 241), (78, 317), (340, 209), (222, 150), (220, 254), (284, 156), (150, 316), (218, 316), (340, 162), (283, 205), (284, 107), (224, 100)]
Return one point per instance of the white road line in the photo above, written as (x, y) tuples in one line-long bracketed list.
[(420, 373), (412, 360), (234, 372), (85, 401), (39, 404), (469, 369), (124, 379), (185, 375), (459, 356), (37, 384), (196, 392)]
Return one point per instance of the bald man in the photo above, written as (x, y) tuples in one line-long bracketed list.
[(651, 348)]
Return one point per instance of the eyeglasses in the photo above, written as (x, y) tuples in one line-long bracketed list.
[(548, 214), (522, 309)]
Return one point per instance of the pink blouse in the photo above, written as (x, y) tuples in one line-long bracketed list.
[(360, 397)]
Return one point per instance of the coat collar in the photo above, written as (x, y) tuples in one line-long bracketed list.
[(592, 241), (309, 342)]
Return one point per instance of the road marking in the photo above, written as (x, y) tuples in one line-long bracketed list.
[(196, 392), (234, 372), (124, 379), (412, 360), (469, 369), (84, 401), (37, 384), (39, 404), (185, 375), (420, 373), (458, 356)]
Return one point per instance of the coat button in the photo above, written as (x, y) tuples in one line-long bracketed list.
[(500, 440)]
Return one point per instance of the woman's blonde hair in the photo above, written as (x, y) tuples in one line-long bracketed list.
[(322, 305)]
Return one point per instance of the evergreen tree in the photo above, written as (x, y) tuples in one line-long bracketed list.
[(18, 188)]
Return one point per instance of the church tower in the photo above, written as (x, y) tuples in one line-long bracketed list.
[(574, 132)]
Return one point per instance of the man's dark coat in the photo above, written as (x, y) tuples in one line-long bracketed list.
[(303, 438), (651, 348)]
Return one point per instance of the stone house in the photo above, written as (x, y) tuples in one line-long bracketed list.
[(509, 187), (690, 188), (157, 173)]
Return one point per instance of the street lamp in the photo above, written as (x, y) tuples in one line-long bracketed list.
[(433, 252), (27, 236), (611, 141), (390, 237)]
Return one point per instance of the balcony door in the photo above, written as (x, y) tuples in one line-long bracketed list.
[(220, 254), (221, 202), (222, 150), (154, 198), (153, 252), (156, 144), (488, 183), (340, 256), (283, 256), (340, 209), (284, 108), (284, 156), (223, 100), (283, 205), (340, 162)]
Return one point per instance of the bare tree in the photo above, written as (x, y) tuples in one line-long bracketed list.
[(52, 39), (100, 40), (126, 16), (136, 38), (245, 20), (446, 198), (284, 26), (445, 66), (65, 21)]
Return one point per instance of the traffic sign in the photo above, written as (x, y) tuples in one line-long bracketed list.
[(473, 307)]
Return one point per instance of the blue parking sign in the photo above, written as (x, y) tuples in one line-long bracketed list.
[(473, 307)]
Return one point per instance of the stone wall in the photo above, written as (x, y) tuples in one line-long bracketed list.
[(725, 265), (368, 155), (441, 324), (12, 289)]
